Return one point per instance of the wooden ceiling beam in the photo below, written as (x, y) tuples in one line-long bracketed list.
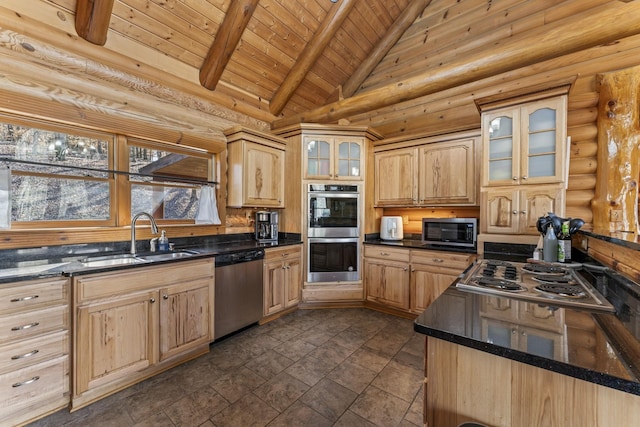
[(604, 24), (328, 28), (225, 42), (391, 37), (92, 20)]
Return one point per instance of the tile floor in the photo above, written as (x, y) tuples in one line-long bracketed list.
[(338, 367)]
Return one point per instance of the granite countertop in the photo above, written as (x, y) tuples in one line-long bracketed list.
[(416, 243), (609, 356), (36, 263)]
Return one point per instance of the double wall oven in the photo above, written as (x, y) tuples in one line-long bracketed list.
[(333, 232)]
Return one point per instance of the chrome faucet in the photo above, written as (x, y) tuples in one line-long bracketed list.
[(154, 229)]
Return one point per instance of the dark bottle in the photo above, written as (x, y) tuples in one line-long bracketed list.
[(564, 243)]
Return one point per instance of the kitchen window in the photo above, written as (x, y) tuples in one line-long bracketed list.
[(62, 176)]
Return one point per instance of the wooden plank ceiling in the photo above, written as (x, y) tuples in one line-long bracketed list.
[(399, 66), (256, 45)]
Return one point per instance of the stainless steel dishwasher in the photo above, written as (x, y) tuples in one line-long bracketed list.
[(239, 291)]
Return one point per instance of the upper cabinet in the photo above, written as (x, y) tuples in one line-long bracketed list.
[(525, 144), (427, 171), (329, 158), (256, 167)]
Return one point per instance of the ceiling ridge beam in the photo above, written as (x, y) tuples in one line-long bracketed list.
[(92, 20), (607, 23), (312, 51), (391, 37), (226, 39)]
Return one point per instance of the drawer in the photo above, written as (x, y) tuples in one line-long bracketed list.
[(32, 351), (32, 323), (27, 295), (384, 252), (39, 383), (442, 259), (286, 252)]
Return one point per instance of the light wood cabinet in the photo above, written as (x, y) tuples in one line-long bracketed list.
[(524, 156), (333, 157), (255, 169), (134, 323), (409, 280), (282, 278), (515, 210), (34, 349), (525, 144), (427, 172)]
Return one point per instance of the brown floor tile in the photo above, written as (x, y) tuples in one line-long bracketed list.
[(281, 391), (329, 399), (399, 382), (296, 349), (354, 377), (350, 419), (196, 408), (237, 383), (331, 353), (310, 370), (249, 411), (369, 359), (300, 414), (317, 337), (380, 407), (158, 420), (269, 364)]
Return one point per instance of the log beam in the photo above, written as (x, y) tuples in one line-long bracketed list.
[(225, 42), (391, 37), (92, 20), (606, 23), (330, 25), (615, 205)]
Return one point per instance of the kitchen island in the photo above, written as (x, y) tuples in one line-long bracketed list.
[(505, 362)]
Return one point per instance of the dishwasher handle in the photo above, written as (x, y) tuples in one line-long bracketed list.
[(239, 257)]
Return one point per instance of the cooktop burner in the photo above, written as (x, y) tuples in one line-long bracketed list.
[(554, 285)]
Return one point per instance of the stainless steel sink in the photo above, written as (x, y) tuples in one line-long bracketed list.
[(111, 260), (166, 256)]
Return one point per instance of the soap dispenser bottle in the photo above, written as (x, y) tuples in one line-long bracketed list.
[(550, 245), (163, 242)]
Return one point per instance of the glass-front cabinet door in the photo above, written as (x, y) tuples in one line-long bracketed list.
[(543, 137), (525, 144), (333, 158)]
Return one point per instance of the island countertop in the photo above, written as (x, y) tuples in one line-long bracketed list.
[(599, 347)]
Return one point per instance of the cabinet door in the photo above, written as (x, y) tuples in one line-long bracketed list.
[(264, 176), (537, 201), (348, 163), (543, 136), (115, 339), (427, 283), (317, 158), (396, 178), (185, 317), (387, 283), (293, 281), (501, 147), (501, 213), (273, 287), (447, 173)]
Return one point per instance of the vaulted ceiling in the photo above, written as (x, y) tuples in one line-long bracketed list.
[(400, 66)]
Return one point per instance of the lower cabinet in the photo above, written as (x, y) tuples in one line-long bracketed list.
[(410, 279), (135, 323), (282, 278), (34, 349)]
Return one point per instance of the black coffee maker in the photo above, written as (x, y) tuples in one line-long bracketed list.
[(266, 226)]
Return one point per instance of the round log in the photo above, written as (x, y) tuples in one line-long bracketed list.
[(583, 100), (582, 116), (584, 149), (584, 132), (582, 182), (584, 214), (579, 198), (583, 165)]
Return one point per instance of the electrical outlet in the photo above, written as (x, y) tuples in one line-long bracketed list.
[(405, 219)]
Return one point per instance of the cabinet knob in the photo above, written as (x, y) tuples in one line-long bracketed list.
[(515, 178), (406, 268), (513, 331), (413, 270), (515, 212), (523, 212), (165, 296), (152, 300), (524, 177)]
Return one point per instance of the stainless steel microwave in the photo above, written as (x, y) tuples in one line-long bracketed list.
[(450, 232)]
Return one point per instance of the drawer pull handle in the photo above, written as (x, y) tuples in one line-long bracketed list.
[(25, 298), (438, 260), (23, 356), (285, 255), (23, 327), (32, 380), (384, 253)]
